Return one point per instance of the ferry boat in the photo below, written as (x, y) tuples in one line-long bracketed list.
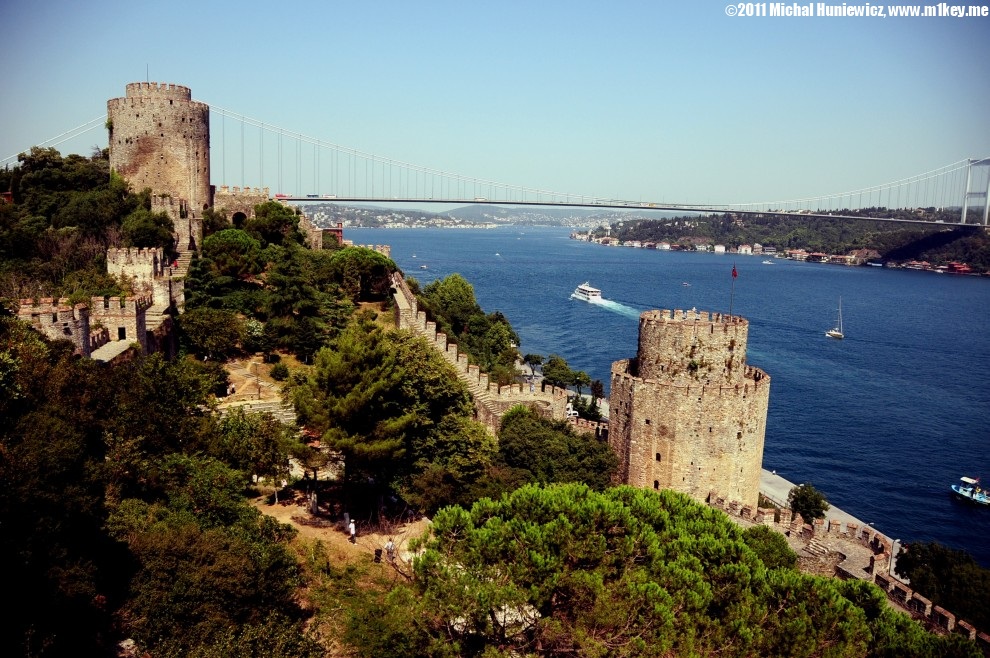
[(586, 293), (969, 489)]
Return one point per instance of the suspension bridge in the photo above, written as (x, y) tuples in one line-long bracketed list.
[(957, 193)]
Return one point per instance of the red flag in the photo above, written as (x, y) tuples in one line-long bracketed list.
[(734, 275)]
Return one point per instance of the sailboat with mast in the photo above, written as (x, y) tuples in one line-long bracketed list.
[(836, 332)]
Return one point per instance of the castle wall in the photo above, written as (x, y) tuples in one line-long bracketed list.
[(150, 273), (105, 320), (691, 345), (123, 317), (237, 200), (491, 401), (160, 139), (687, 414), (142, 266), (879, 572), (56, 319)]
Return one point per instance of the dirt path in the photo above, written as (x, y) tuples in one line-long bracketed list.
[(334, 536)]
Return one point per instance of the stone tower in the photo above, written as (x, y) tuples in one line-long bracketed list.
[(687, 413), (160, 138)]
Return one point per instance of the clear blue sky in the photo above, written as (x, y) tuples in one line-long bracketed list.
[(640, 100)]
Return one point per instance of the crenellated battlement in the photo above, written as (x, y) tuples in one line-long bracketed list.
[(157, 90), (125, 257), (160, 139), (227, 190), (49, 311), (491, 400), (850, 537), (667, 316), (753, 379), (105, 306), (688, 413)]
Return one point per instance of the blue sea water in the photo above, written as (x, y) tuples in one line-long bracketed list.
[(881, 422)]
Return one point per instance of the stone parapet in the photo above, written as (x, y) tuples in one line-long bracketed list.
[(491, 401), (879, 570)]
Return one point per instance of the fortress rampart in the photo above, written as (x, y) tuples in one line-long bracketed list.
[(878, 572), (56, 319), (491, 401), (150, 273), (239, 202), (691, 344), (157, 90), (159, 138), (89, 327), (687, 413)]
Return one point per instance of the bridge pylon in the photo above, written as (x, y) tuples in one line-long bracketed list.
[(981, 197)]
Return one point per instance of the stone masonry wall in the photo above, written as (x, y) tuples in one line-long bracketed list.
[(123, 317), (685, 427), (491, 401), (56, 319), (150, 273), (879, 572), (104, 320), (237, 200), (669, 343), (160, 139)]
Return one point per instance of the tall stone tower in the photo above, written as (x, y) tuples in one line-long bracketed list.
[(160, 138), (687, 413)]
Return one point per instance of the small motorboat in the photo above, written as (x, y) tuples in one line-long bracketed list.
[(969, 489)]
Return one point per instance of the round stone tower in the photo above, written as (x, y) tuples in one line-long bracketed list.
[(160, 139), (687, 413)]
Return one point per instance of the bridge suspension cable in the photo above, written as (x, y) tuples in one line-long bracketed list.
[(64, 137), (354, 172), (360, 175), (940, 187)]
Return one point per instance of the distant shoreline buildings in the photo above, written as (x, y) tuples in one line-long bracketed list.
[(856, 257)]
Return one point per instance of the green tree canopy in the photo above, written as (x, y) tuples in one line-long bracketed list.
[(274, 223), (143, 228), (233, 253), (362, 273), (807, 501), (563, 570), (556, 372), (392, 406), (544, 451), (211, 333), (948, 577)]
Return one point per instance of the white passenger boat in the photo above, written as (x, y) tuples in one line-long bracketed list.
[(586, 293), (969, 489)]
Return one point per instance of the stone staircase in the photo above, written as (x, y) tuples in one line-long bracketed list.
[(282, 412), (182, 268), (816, 548)]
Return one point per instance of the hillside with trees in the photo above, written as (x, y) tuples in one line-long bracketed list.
[(893, 242), (130, 505)]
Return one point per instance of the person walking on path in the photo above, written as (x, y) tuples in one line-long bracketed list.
[(390, 550), (353, 531)]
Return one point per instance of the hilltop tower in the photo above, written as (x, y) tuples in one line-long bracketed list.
[(160, 138), (687, 413)]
